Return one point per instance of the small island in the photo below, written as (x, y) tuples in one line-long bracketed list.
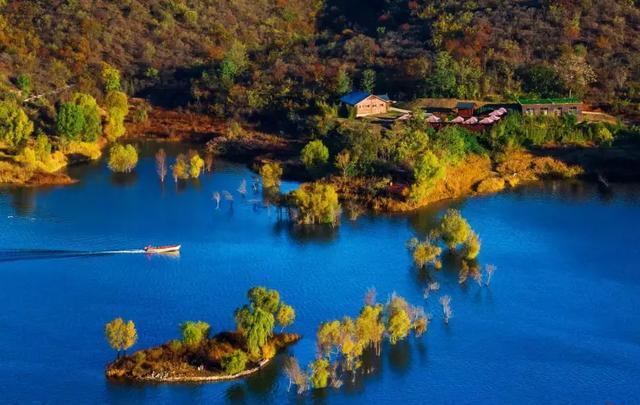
[(197, 357)]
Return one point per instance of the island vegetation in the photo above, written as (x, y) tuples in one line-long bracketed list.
[(200, 355)]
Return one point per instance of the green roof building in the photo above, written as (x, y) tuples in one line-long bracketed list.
[(550, 106)]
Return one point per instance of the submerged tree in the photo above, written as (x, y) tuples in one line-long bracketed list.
[(208, 162), (420, 322), (317, 204), (447, 312), (122, 158), (161, 164), (242, 188), (180, 169), (370, 296), (271, 173), (454, 229), (196, 164), (121, 335), (285, 316), (319, 373), (296, 376), (424, 253), (489, 269), (328, 336), (370, 327), (398, 319), (433, 286), (471, 246), (216, 197)]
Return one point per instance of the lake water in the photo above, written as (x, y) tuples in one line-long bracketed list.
[(558, 324)]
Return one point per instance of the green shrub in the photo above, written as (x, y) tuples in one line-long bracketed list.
[(234, 362), (193, 333), (23, 81), (79, 119), (117, 106), (314, 156), (15, 126), (175, 346), (426, 173), (110, 77)]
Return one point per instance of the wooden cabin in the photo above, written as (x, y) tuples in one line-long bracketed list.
[(551, 106), (466, 109), (366, 103)]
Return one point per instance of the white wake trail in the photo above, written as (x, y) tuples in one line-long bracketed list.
[(114, 252)]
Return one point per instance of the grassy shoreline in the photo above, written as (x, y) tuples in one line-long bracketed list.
[(476, 174)]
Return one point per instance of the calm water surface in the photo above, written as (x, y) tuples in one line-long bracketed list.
[(559, 323)]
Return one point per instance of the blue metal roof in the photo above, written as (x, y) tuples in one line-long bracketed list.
[(465, 105), (355, 97)]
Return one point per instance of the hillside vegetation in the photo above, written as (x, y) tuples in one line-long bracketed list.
[(271, 58), (68, 70)]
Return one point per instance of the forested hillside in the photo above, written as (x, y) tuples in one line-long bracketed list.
[(282, 59)]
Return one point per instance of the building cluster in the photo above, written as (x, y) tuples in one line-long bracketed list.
[(364, 104)]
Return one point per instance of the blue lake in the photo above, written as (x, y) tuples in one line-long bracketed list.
[(558, 324)]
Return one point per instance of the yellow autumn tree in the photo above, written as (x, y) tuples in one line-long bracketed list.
[(121, 335)]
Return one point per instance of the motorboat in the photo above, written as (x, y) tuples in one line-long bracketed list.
[(162, 249)]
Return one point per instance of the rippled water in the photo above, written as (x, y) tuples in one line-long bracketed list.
[(559, 323)]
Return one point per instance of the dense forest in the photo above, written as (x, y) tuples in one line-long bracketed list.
[(280, 61)]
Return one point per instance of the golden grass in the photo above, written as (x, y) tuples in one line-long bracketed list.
[(91, 150)]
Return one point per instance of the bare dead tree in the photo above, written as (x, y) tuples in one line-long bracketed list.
[(419, 320), (242, 189), (227, 197), (296, 376), (489, 269), (56, 91), (208, 162), (433, 286), (336, 380), (464, 273), (477, 276), (216, 198), (161, 164), (370, 296), (447, 312)]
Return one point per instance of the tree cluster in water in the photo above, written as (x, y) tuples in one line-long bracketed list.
[(461, 241), (342, 343)]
